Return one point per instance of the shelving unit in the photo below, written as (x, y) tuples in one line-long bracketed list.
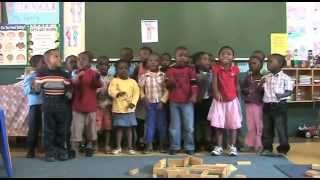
[(304, 92)]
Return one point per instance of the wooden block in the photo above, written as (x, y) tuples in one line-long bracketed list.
[(205, 172), (316, 176), (175, 163), (163, 163), (240, 176), (160, 171), (209, 176), (134, 172), (154, 176), (311, 173), (172, 173), (196, 161), (186, 161), (315, 166), (244, 162), (192, 176)]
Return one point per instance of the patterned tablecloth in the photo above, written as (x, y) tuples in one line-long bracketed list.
[(15, 106)]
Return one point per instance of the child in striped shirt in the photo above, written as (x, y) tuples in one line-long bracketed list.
[(155, 95), (54, 83)]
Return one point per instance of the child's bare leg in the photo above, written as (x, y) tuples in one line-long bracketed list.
[(107, 142), (119, 137), (219, 136), (233, 140), (75, 146)]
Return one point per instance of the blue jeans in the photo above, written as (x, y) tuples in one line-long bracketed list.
[(156, 119), (181, 114)]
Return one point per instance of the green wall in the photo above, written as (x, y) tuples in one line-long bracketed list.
[(199, 26)]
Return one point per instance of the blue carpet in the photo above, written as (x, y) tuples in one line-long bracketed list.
[(118, 166), (292, 170)]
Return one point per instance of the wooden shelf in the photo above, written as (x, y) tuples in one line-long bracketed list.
[(304, 93)]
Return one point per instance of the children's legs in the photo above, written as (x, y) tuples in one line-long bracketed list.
[(91, 128), (150, 123), (77, 126), (107, 142), (119, 133), (175, 127), (188, 122), (61, 131), (134, 135), (129, 137), (268, 127), (251, 125), (34, 122), (219, 136), (259, 127), (162, 127), (282, 128), (233, 136)]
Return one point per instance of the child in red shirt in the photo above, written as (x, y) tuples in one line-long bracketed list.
[(183, 88), (225, 112), (84, 104)]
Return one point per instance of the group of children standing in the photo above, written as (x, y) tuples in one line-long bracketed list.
[(194, 101)]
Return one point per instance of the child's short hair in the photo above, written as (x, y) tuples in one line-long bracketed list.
[(48, 52), (180, 48), (226, 47), (121, 61), (102, 60), (259, 52), (34, 60), (166, 54), (146, 48), (69, 58), (155, 54), (88, 54), (198, 55), (257, 57), (281, 59), (127, 49)]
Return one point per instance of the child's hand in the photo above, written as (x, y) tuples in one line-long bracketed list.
[(262, 81), (160, 106), (279, 96), (81, 73), (218, 96), (193, 98), (120, 94), (130, 106)]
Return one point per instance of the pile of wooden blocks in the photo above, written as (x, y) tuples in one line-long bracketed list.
[(190, 167)]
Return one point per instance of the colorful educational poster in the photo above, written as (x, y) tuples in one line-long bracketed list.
[(279, 43), (303, 26), (32, 12), (74, 28), (42, 38), (149, 31), (13, 45)]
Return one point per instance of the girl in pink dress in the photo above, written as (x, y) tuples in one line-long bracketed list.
[(225, 112)]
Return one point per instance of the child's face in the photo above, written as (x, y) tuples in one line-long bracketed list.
[(123, 70), (41, 65), (153, 63), (226, 56), (165, 60), (254, 65), (205, 61), (182, 57), (273, 64), (103, 66), (83, 61), (144, 55), (54, 59), (126, 55), (71, 64)]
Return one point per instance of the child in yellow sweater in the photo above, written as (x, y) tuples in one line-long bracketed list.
[(125, 94)]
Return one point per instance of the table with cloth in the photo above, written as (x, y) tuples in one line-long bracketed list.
[(15, 106)]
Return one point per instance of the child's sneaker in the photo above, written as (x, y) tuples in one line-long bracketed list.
[(233, 151), (132, 152), (217, 151), (116, 151)]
